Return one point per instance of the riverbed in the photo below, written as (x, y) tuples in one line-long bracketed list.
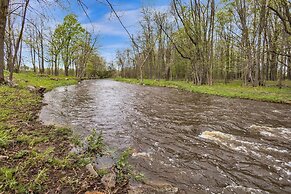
[(197, 143)]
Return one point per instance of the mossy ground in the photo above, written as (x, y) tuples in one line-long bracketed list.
[(35, 158), (234, 89)]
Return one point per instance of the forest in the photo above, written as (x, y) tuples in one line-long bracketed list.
[(204, 41), (66, 47)]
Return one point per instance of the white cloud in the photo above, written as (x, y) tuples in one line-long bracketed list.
[(109, 24), (115, 46), (101, 28), (108, 51)]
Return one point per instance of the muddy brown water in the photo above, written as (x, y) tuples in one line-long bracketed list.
[(198, 143)]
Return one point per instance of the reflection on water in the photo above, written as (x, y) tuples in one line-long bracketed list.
[(198, 143)]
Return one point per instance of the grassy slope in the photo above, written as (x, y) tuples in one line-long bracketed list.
[(34, 158), (49, 82), (14, 101), (234, 89)]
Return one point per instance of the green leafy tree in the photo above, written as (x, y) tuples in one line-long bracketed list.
[(65, 39)]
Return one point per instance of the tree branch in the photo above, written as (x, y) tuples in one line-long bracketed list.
[(281, 18)]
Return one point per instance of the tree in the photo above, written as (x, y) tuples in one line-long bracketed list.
[(197, 20), (69, 32), (18, 41), (3, 18), (55, 48)]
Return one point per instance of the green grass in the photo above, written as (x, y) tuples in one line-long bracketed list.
[(5, 137), (95, 142), (48, 81), (13, 100), (270, 93), (36, 157), (19, 100)]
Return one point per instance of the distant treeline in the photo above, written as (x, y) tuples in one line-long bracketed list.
[(203, 41), (26, 37)]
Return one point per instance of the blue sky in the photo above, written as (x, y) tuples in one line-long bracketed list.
[(102, 23)]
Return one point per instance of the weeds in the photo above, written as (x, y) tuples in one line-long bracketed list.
[(122, 166), (38, 140), (124, 169), (25, 139), (7, 178), (102, 172), (21, 154), (39, 179), (68, 162), (63, 132), (83, 160), (4, 138), (75, 140), (95, 143)]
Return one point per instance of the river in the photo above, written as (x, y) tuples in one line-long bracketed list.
[(198, 143)]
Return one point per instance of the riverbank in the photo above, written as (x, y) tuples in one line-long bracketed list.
[(36, 158), (234, 89)]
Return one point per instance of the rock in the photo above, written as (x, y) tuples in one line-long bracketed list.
[(3, 157), (109, 180), (141, 154), (90, 168), (155, 187), (76, 150), (31, 88), (12, 84), (94, 192), (104, 163), (41, 90)]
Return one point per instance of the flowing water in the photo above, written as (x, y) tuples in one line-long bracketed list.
[(198, 143)]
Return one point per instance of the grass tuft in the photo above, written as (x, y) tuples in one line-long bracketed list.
[(5, 138), (95, 142)]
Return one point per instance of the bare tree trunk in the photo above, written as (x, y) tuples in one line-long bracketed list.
[(66, 61), (259, 63), (141, 73), (56, 66), (10, 43), (17, 70), (38, 57), (18, 40), (289, 69), (32, 54), (280, 76), (212, 25), (3, 18), (42, 54), (264, 57)]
